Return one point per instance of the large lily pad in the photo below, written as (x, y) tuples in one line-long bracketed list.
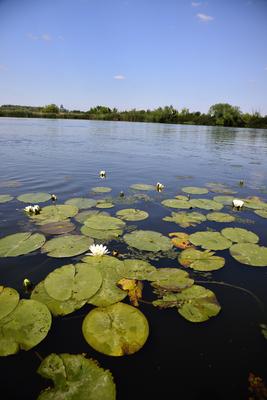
[(225, 200), (195, 304), (67, 246), (240, 235), (171, 279), (261, 213), (116, 330), (101, 189), (218, 187), (180, 240), (102, 222), (138, 269), (220, 217), (38, 197), (195, 190), (57, 228), (206, 204), (142, 186), (20, 243), (81, 202), (83, 215), (132, 214), (50, 214), (76, 378), (185, 219), (249, 254), (200, 260), (101, 234), (255, 203), (177, 203), (104, 204), (210, 240), (148, 241), (25, 327), (9, 299), (4, 198)]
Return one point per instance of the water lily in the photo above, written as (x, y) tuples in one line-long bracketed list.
[(98, 250), (102, 174), (237, 203), (33, 209), (159, 187), (53, 197), (28, 209)]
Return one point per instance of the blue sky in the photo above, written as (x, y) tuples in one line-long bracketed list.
[(134, 53)]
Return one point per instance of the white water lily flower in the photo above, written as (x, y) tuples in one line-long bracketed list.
[(102, 174), (159, 187), (98, 250), (238, 203), (29, 209)]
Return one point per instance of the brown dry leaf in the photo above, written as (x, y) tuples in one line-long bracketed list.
[(180, 240), (133, 287)]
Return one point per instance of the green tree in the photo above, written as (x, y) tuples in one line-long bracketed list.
[(226, 115), (51, 108)]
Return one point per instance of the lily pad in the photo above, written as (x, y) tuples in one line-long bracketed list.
[(101, 189), (206, 204), (255, 203), (220, 217), (20, 243), (67, 246), (50, 214), (83, 215), (116, 330), (142, 186), (200, 260), (180, 240), (185, 220), (261, 213), (240, 235), (104, 204), (219, 188), (132, 214), (171, 279), (4, 198), (101, 234), (195, 304), (76, 377), (225, 200), (9, 299), (57, 228), (195, 190), (176, 203), (148, 241), (249, 254), (102, 222), (25, 327), (81, 202), (181, 197), (138, 269), (38, 197), (210, 240)]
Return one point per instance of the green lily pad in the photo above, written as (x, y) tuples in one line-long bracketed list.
[(240, 235), (20, 243), (25, 327), (210, 240), (101, 189), (102, 222), (138, 269), (255, 203), (220, 217), (132, 214), (206, 204), (219, 188), (225, 200), (171, 279), (116, 330), (56, 307), (200, 260), (104, 204), (176, 203), (9, 299), (249, 254), (76, 378), (142, 186), (194, 190), (81, 202), (101, 234), (39, 197), (67, 246), (83, 215), (148, 241), (185, 220), (261, 213), (51, 214), (4, 198), (57, 228), (195, 304), (181, 197)]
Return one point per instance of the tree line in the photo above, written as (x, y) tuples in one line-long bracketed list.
[(220, 114)]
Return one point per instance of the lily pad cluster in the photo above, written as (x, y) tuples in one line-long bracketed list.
[(54, 213)]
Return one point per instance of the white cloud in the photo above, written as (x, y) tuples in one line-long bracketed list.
[(119, 77), (196, 3), (205, 17), (32, 37), (46, 37)]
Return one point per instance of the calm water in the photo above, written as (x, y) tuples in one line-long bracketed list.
[(181, 360)]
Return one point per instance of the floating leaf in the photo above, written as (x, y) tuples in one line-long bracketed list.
[(240, 235), (104, 204), (133, 288), (4, 198), (67, 246), (206, 204), (101, 234), (219, 188), (39, 197), (148, 241), (102, 222), (220, 217), (57, 228), (195, 190), (210, 240), (176, 203), (261, 213), (9, 299), (81, 202), (195, 304), (200, 260), (75, 378), (132, 214), (20, 243), (138, 269), (249, 254), (101, 189), (225, 200), (24, 327), (184, 219), (50, 214), (142, 186), (171, 279), (255, 203), (180, 240), (116, 330), (83, 215), (181, 197)]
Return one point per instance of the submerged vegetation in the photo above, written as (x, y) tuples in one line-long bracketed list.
[(220, 114)]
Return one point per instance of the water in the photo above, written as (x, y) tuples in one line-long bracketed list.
[(211, 360)]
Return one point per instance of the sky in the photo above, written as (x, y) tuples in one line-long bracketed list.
[(134, 53)]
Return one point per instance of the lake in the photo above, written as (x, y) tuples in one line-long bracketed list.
[(181, 359)]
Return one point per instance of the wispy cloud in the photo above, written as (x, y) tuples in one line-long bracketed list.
[(44, 37), (196, 3), (119, 77), (205, 17)]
